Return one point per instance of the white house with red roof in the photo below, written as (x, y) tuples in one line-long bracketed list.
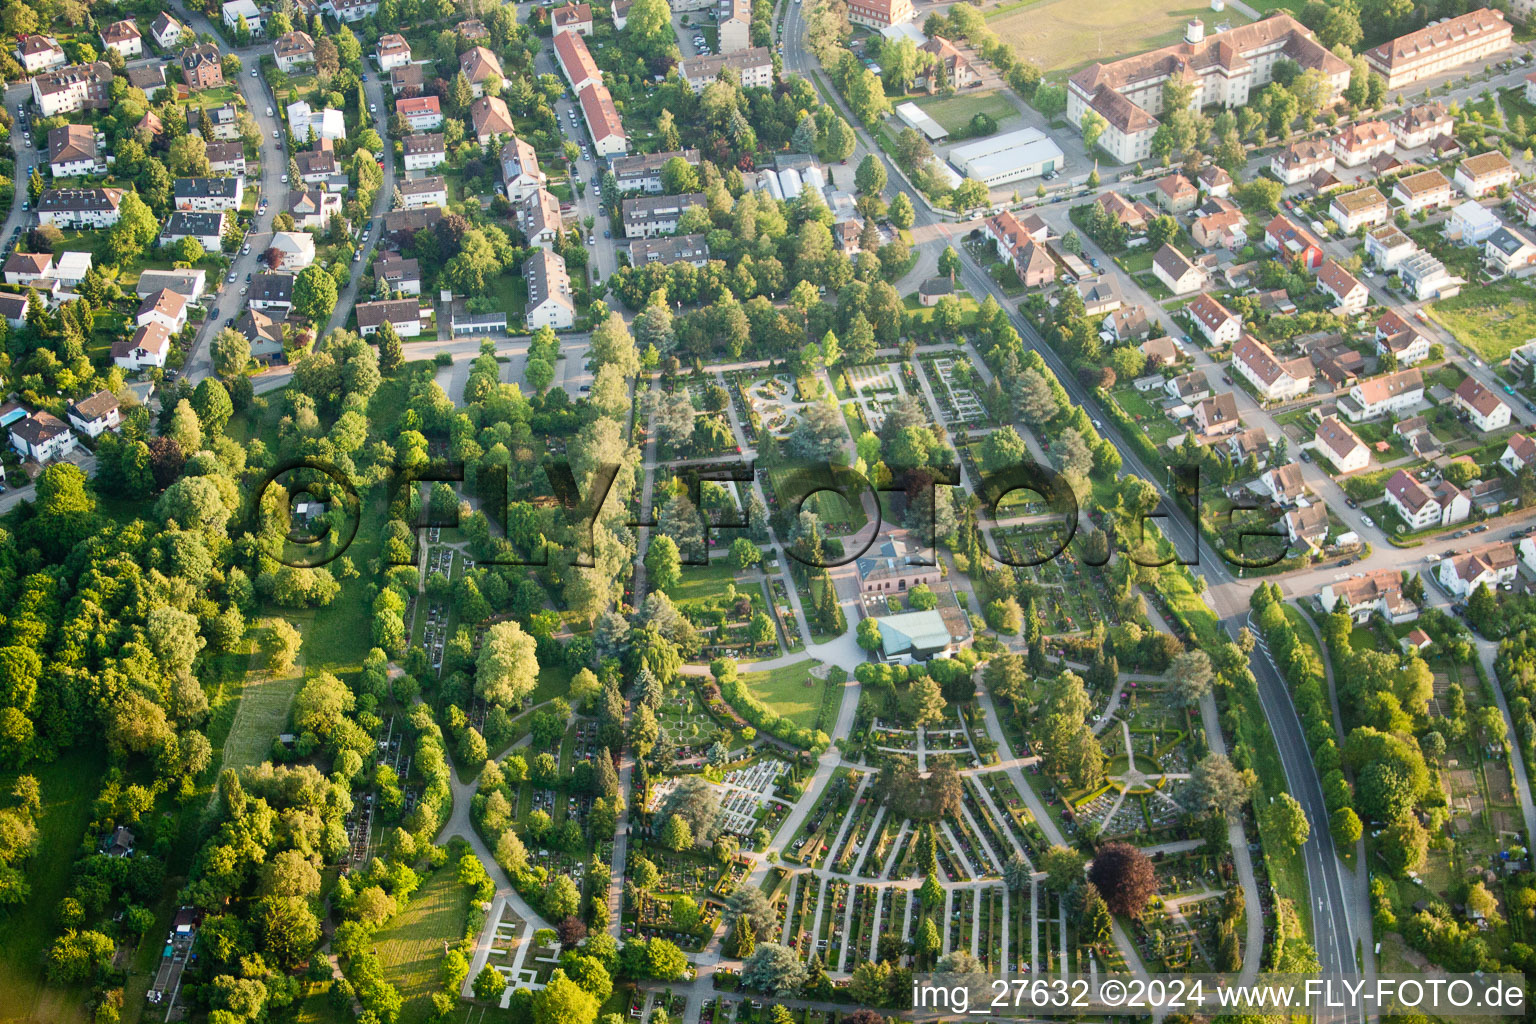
[(1483, 407), (1216, 323)]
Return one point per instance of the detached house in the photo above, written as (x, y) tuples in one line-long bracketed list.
[(1487, 172), (1175, 193), (1519, 452), (39, 53), (1176, 271), (549, 292), (166, 31), (95, 415), (1489, 566), (539, 217), (1293, 242), (1387, 246), (1216, 323), (1423, 191), (1340, 446), (1226, 229), (77, 87), (292, 51), (393, 52), (25, 268), (1483, 407), (202, 67), (424, 151), (479, 65), (1349, 294), (1217, 415), (312, 208), (1507, 251), (42, 436), (1306, 526), (1283, 484), (572, 18), (1422, 124), (490, 118), (73, 152), (1362, 208), (208, 193), (1375, 593), (1396, 336), (123, 36), (148, 347), (520, 173), (1299, 161), (420, 113), (1362, 143)]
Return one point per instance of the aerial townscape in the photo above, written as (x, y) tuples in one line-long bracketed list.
[(706, 513)]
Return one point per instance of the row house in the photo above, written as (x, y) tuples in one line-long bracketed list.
[(1274, 379), (1390, 394), (1444, 46), (641, 172), (1423, 507), (692, 249), (754, 66), (575, 61), (1009, 235), (77, 87), (603, 121), (429, 191), (79, 207), (207, 227), (649, 216), (404, 315), (733, 23)]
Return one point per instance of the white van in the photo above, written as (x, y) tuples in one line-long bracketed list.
[(269, 111)]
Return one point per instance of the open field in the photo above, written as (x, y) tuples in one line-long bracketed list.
[(1064, 35), (1490, 319), (785, 690), (262, 713), (68, 786), (955, 112), (411, 947)]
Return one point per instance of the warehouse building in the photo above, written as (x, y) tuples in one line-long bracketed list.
[(1027, 153)]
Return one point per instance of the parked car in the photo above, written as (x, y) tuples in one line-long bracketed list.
[(1367, 520)]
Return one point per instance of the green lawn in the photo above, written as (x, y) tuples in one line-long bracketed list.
[(1490, 319), (955, 112), (69, 785), (702, 582), (791, 691), (262, 713), (411, 946), (1064, 34)]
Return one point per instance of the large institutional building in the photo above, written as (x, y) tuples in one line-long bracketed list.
[(1440, 47), (1224, 69)]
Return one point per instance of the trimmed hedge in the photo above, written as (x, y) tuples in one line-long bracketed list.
[(769, 721)]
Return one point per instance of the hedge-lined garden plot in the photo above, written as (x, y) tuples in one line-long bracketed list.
[(1075, 596)]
